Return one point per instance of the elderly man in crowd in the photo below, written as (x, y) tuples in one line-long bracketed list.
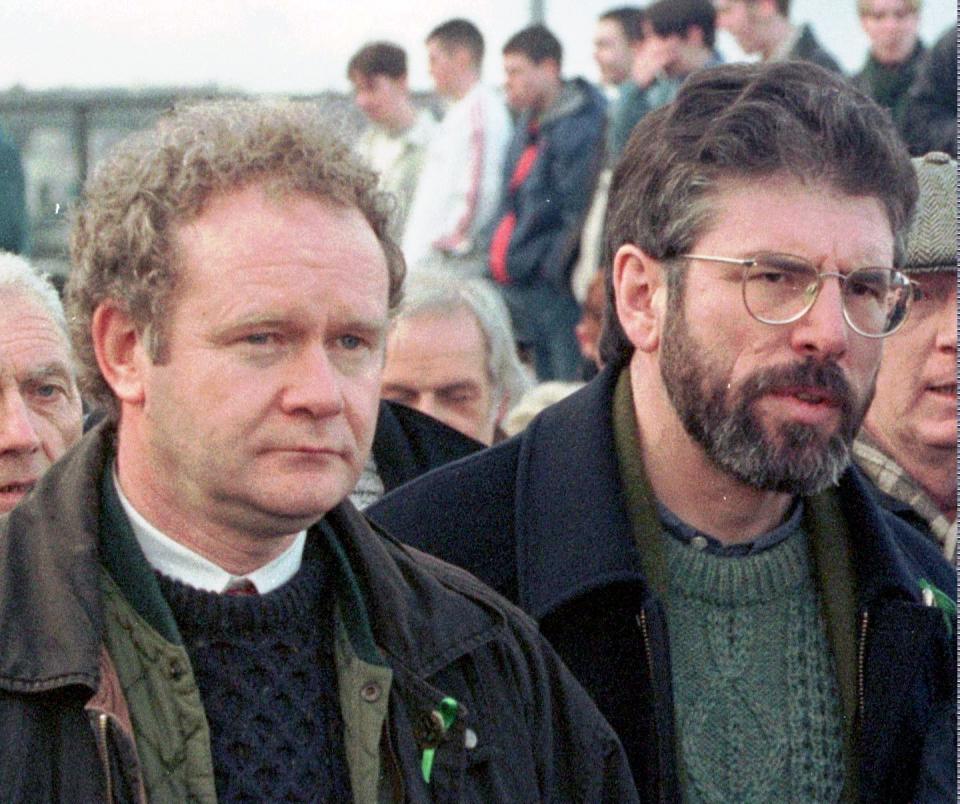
[(40, 410), (908, 444), (190, 611), (686, 529), (451, 355)]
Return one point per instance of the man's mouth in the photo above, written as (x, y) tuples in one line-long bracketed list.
[(811, 396), (17, 488), (946, 389)]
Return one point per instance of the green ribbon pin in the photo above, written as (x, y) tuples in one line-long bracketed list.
[(942, 601), (447, 713)]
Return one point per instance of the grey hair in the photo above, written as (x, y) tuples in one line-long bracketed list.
[(16, 274), (431, 293)]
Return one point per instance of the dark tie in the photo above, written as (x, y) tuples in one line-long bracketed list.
[(244, 587)]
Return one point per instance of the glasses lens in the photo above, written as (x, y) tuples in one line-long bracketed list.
[(876, 300), (779, 288)]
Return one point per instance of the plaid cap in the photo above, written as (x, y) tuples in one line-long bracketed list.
[(932, 239)]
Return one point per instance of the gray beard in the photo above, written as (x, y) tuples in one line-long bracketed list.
[(799, 459)]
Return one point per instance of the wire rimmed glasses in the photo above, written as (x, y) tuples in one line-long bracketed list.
[(781, 289)]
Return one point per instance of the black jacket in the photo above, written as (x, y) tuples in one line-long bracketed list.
[(408, 443), (438, 630), (548, 527)]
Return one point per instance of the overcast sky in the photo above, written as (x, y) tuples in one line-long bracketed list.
[(302, 46)]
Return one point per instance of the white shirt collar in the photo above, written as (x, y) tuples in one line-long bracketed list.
[(183, 564)]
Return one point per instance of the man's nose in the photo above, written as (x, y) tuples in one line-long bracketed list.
[(314, 385), (823, 330), (17, 431)]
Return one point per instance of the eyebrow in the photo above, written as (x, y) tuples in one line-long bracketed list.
[(55, 369)]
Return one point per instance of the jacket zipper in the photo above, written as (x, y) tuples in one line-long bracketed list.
[(103, 724), (861, 661), (645, 633)]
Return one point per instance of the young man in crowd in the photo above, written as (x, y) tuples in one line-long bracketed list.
[(686, 529), (763, 27), (191, 610), (678, 39), (395, 142), (457, 194), (895, 52), (551, 169)]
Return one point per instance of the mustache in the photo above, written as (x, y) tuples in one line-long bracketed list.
[(827, 377)]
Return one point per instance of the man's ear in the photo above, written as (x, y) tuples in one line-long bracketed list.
[(120, 352), (640, 290)]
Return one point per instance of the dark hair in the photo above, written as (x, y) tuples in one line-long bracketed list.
[(460, 33), (746, 122), (378, 58), (668, 17), (629, 18), (536, 43)]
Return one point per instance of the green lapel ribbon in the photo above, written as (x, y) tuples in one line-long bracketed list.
[(942, 602), (447, 713)]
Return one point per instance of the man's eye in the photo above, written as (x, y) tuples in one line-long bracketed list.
[(351, 342), (260, 338), (48, 390)]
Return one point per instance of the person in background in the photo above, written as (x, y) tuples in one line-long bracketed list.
[(618, 32), (589, 325), (895, 52), (191, 610), (908, 444), (40, 410), (551, 169), (678, 39), (14, 220), (618, 37), (687, 529), (763, 27), (451, 355), (395, 141), (930, 119), (459, 187)]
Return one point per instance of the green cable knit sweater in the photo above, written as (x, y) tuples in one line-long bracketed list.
[(757, 708)]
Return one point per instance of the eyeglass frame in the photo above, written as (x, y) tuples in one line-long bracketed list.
[(751, 262)]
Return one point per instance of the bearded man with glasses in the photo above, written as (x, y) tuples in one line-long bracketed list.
[(687, 529)]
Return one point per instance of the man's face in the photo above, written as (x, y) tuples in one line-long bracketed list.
[(438, 365), (527, 84), (741, 19), (380, 97), (40, 410), (891, 26), (446, 67), (775, 406), (263, 415), (664, 51), (915, 409), (612, 52)]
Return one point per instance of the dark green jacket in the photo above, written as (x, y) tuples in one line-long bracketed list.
[(98, 701)]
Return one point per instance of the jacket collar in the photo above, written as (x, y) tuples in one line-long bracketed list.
[(566, 548), (50, 609)]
